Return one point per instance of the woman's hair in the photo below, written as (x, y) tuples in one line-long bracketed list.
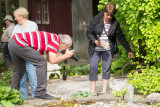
[(110, 8), (65, 38), (21, 11)]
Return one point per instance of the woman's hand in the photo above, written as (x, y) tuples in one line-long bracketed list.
[(130, 55), (97, 42)]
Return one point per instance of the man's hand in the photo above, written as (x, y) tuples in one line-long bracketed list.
[(96, 42), (69, 53), (130, 55), (55, 59)]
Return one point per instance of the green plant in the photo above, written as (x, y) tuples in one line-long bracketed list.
[(79, 94), (2, 63), (7, 77), (9, 97), (147, 81), (76, 70), (120, 93), (158, 104)]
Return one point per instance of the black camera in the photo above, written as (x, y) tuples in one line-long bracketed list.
[(74, 56)]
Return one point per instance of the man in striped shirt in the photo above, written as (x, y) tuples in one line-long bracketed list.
[(30, 46)]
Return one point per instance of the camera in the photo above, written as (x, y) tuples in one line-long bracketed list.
[(74, 56)]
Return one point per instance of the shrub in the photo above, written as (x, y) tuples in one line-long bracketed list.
[(147, 81)]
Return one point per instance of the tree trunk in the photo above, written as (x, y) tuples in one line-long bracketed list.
[(7, 7), (0, 19)]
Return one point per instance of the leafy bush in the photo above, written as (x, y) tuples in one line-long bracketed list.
[(80, 70), (141, 25), (6, 77), (121, 60), (10, 97), (147, 81), (77, 70), (2, 63)]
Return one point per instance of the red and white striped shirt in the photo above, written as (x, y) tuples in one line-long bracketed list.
[(40, 41)]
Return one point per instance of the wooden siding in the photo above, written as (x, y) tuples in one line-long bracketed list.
[(60, 16)]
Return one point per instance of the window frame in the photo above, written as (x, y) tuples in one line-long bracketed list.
[(42, 12)]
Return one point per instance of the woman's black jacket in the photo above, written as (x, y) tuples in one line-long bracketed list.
[(96, 27)]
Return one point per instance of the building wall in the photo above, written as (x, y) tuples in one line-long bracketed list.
[(59, 16), (23, 3), (82, 13)]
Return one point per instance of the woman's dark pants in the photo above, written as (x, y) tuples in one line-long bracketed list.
[(106, 64)]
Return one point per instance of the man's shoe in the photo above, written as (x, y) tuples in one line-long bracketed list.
[(45, 96)]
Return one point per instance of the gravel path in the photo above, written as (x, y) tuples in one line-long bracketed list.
[(64, 89)]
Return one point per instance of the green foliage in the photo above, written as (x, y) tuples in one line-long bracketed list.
[(146, 82), (158, 104), (79, 94), (81, 70), (7, 103), (1, 49), (140, 19), (77, 70), (119, 63), (6, 77), (9, 97), (120, 93), (1, 62)]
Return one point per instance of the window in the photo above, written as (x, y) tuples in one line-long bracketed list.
[(38, 12), (42, 12)]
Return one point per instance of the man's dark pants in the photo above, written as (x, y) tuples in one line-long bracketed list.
[(22, 54)]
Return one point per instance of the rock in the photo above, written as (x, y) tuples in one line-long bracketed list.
[(153, 98), (118, 84)]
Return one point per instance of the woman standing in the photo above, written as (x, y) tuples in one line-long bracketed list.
[(102, 33), (25, 25)]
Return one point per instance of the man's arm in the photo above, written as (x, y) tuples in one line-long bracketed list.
[(55, 59)]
